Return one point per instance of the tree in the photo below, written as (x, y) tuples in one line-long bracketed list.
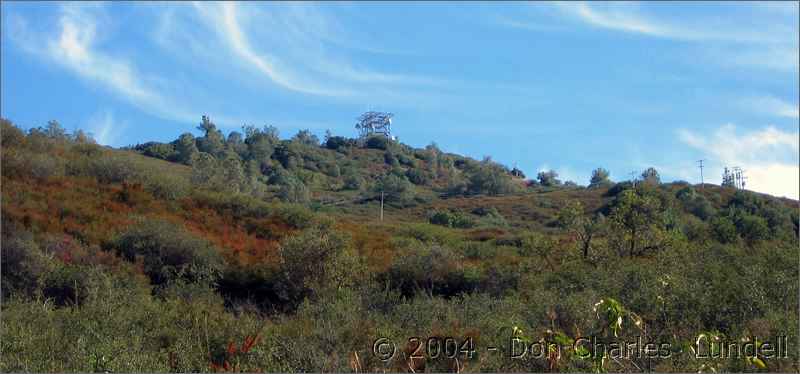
[(54, 130), (585, 229), (335, 142), (186, 148), (10, 134), (260, 144), (599, 178), (306, 137), (235, 143), (233, 173), (204, 170), (650, 176), (548, 178), (395, 188), (638, 222), (213, 141), (164, 151), (490, 178)]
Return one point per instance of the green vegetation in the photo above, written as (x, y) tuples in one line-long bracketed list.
[(250, 253)]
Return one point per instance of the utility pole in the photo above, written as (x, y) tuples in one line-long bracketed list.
[(381, 206), (701, 174), (633, 178)]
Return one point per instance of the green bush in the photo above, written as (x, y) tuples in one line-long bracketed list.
[(548, 178), (353, 181), (451, 219), (336, 142), (164, 151), (24, 266), (68, 284), (406, 161), (390, 159), (489, 178), (318, 259), (724, 230), (169, 253), (417, 177), (396, 189), (752, 228), (600, 178), (377, 142), (10, 135), (293, 190), (432, 268)]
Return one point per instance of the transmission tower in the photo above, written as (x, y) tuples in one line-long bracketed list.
[(701, 174), (739, 177), (375, 123), (734, 177)]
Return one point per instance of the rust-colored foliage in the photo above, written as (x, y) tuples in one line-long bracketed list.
[(234, 358), (94, 213), (371, 242)]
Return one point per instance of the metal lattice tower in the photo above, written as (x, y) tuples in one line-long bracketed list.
[(734, 177), (374, 123)]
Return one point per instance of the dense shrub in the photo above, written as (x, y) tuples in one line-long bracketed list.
[(451, 219), (548, 178), (293, 190), (650, 176), (752, 228), (390, 159), (417, 177), (599, 178), (336, 142), (377, 142), (263, 286), (169, 253), (68, 284), (24, 266), (489, 178), (318, 259), (695, 203), (431, 268), (395, 188), (724, 230), (353, 181), (164, 151), (406, 161)]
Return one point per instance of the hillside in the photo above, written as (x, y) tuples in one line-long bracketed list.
[(248, 252)]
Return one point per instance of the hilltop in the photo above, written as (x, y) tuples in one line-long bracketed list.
[(167, 256)]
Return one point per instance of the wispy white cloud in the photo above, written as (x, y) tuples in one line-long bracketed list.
[(626, 20), (105, 129), (631, 17), (73, 46), (240, 43), (772, 106), (289, 46), (768, 39), (77, 44), (769, 157)]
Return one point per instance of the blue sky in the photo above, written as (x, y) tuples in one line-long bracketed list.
[(568, 86)]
